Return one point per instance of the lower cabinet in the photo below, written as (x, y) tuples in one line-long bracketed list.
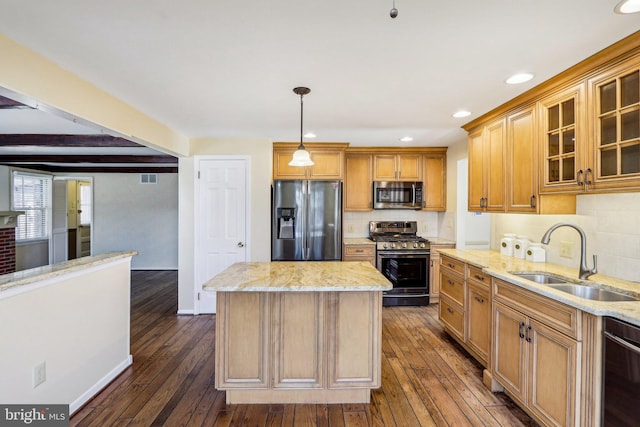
[(292, 347), (434, 271), (356, 252), (535, 362)]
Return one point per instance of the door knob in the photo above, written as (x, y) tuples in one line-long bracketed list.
[(240, 245)]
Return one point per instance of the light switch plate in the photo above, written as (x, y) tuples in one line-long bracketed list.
[(566, 249)]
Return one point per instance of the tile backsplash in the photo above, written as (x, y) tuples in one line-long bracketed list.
[(356, 224), (611, 223)]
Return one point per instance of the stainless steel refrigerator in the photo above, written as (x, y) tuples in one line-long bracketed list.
[(306, 221)]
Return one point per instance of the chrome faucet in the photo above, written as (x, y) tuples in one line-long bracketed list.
[(585, 272)]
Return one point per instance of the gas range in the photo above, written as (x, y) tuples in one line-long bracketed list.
[(397, 235)]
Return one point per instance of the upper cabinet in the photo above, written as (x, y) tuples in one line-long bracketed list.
[(577, 132), (364, 165), (397, 167), (328, 158), (614, 101)]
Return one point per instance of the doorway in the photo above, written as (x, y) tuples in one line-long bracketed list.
[(72, 218)]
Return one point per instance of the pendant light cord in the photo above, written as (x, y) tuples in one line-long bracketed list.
[(301, 146)]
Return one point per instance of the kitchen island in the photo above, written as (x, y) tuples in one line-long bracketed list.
[(298, 332)]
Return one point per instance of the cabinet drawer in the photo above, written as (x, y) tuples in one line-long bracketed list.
[(359, 250), (452, 286), (452, 264), (478, 277), (554, 314), (452, 315)]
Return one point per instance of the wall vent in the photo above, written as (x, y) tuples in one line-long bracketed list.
[(148, 178)]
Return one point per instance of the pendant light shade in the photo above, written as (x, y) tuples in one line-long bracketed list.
[(301, 156)]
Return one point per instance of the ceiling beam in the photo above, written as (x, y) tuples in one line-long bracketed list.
[(61, 158), (101, 169), (48, 140)]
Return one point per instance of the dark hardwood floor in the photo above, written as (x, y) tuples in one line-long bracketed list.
[(427, 379)]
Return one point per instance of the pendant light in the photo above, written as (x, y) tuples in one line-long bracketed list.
[(301, 155)]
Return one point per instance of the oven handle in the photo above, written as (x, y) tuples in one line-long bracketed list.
[(415, 254), (404, 295)]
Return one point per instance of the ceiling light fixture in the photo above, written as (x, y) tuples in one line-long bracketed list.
[(406, 139), (394, 12), (310, 135), (627, 6), (461, 113), (301, 156), (519, 78)]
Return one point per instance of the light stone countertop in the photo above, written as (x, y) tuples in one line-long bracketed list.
[(296, 276), (497, 265), (33, 275), (358, 241)]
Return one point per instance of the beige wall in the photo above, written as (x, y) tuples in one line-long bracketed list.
[(259, 236)]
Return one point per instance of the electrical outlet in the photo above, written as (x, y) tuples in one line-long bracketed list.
[(350, 228), (39, 374), (566, 249)]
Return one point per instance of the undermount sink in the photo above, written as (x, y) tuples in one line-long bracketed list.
[(593, 293), (542, 278), (574, 287)]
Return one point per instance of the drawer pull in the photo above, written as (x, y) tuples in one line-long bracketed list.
[(528, 338), (451, 265), (450, 310), (479, 277), (480, 300), (451, 282), (359, 251)]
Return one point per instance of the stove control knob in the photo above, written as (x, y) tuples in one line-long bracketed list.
[(384, 246), (404, 245), (415, 245), (393, 245), (422, 245)]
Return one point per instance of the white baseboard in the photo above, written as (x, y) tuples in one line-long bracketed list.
[(97, 387), (190, 312)]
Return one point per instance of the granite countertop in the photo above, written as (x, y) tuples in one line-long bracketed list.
[(358, 241), (33, 275), (439, 241), (292, 276), (497, 265)]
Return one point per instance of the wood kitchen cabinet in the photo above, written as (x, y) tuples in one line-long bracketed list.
[(434, 270), (364, 253), (397, 167), (487, 168), (358, 191), (328, 159), (522, 161), (465, 306), (434, 173), (536, 350)]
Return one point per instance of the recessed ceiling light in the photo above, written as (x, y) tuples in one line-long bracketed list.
[(519, 78), (627, 6), (406, 139), (309, 135), (461, 113)]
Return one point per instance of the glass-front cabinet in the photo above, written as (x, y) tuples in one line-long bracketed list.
[(615, 104), (564, 146)]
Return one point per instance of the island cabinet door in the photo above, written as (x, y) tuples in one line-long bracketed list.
[(354, 337), (298, 339), (242, 340)]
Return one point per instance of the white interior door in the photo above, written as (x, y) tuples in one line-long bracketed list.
[(221, 197), (59, 239)]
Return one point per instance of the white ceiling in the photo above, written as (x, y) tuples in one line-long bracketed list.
[(211, 68)]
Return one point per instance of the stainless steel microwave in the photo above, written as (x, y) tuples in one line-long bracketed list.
[(397, 195)]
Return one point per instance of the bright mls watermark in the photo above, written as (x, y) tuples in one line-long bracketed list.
[(34, 415)]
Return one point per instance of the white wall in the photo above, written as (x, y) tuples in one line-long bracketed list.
[(77, 324), (260, 153), (5, 188), (610, 221), (128, 215)]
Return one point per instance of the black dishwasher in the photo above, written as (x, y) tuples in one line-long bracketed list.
[(621, 374)]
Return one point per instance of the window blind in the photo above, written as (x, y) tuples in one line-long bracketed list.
[(32, 194)]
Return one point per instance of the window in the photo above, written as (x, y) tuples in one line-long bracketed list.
[(32, 194), (85, 202)]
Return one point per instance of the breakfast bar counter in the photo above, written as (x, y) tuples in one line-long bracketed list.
[(298, 332)]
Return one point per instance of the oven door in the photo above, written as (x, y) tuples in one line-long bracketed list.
[(408, 271)]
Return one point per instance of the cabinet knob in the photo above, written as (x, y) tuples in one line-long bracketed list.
[(450, 310), (480, 300), (479, 277)]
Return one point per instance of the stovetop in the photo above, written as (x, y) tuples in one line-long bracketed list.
[(395, 235)]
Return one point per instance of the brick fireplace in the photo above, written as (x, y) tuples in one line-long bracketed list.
[(8, 222)]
